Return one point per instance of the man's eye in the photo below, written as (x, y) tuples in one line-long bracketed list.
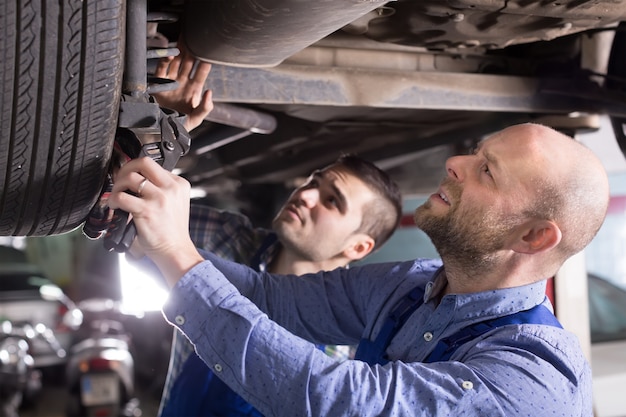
[(332, 200), (486, 170)]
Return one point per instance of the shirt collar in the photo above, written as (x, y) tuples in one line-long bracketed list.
[(435, 287), (496, 302)]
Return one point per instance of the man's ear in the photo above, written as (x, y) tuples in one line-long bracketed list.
[(359, 246), (537, 236)]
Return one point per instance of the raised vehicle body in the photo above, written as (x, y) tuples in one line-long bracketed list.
[(403, 83)]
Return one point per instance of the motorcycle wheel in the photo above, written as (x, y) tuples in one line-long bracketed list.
[(73, 407), (10, 405), (60, 74)]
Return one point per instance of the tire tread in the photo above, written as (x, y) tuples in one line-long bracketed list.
[(61, 120)]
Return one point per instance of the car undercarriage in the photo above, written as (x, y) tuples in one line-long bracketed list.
[(403, 83)]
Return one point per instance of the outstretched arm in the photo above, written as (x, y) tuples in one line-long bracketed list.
[(189, 97)]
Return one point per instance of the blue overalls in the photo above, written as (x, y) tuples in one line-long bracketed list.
[(373, 351)]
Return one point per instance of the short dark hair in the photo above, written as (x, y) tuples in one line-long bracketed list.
[(381, 216)]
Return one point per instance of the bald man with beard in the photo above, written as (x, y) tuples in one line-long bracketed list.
[(471, 335)]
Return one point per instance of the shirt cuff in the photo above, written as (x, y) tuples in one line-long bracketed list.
[(199, 291)]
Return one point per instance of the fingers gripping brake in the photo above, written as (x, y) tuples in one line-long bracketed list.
[(175, 141)]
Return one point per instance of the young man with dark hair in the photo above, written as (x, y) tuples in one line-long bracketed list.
[(341, 214)]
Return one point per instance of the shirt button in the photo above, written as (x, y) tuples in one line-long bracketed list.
[(467, 385), (217, 367), (428, 336), (180, 320)]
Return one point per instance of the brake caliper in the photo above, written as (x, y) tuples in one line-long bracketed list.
[(139, 124)]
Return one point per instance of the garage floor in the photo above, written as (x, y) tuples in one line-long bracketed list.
[(53, 397)]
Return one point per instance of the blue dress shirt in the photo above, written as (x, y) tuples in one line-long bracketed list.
[(231, 236), (258, 332)]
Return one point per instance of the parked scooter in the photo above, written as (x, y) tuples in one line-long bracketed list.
[(100, 370), (19, 380)]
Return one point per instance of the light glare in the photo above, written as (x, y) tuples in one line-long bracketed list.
[(140, 291)]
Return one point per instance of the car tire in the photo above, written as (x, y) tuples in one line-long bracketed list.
[(60, 74), (615, 81)]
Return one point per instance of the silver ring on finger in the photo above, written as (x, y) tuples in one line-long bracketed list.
[(141, 185)]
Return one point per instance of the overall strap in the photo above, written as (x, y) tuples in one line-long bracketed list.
[(539, 314), (257, 262), (373, 351)]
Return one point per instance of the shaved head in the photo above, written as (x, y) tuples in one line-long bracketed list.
[(529, 195), (572, 185)]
